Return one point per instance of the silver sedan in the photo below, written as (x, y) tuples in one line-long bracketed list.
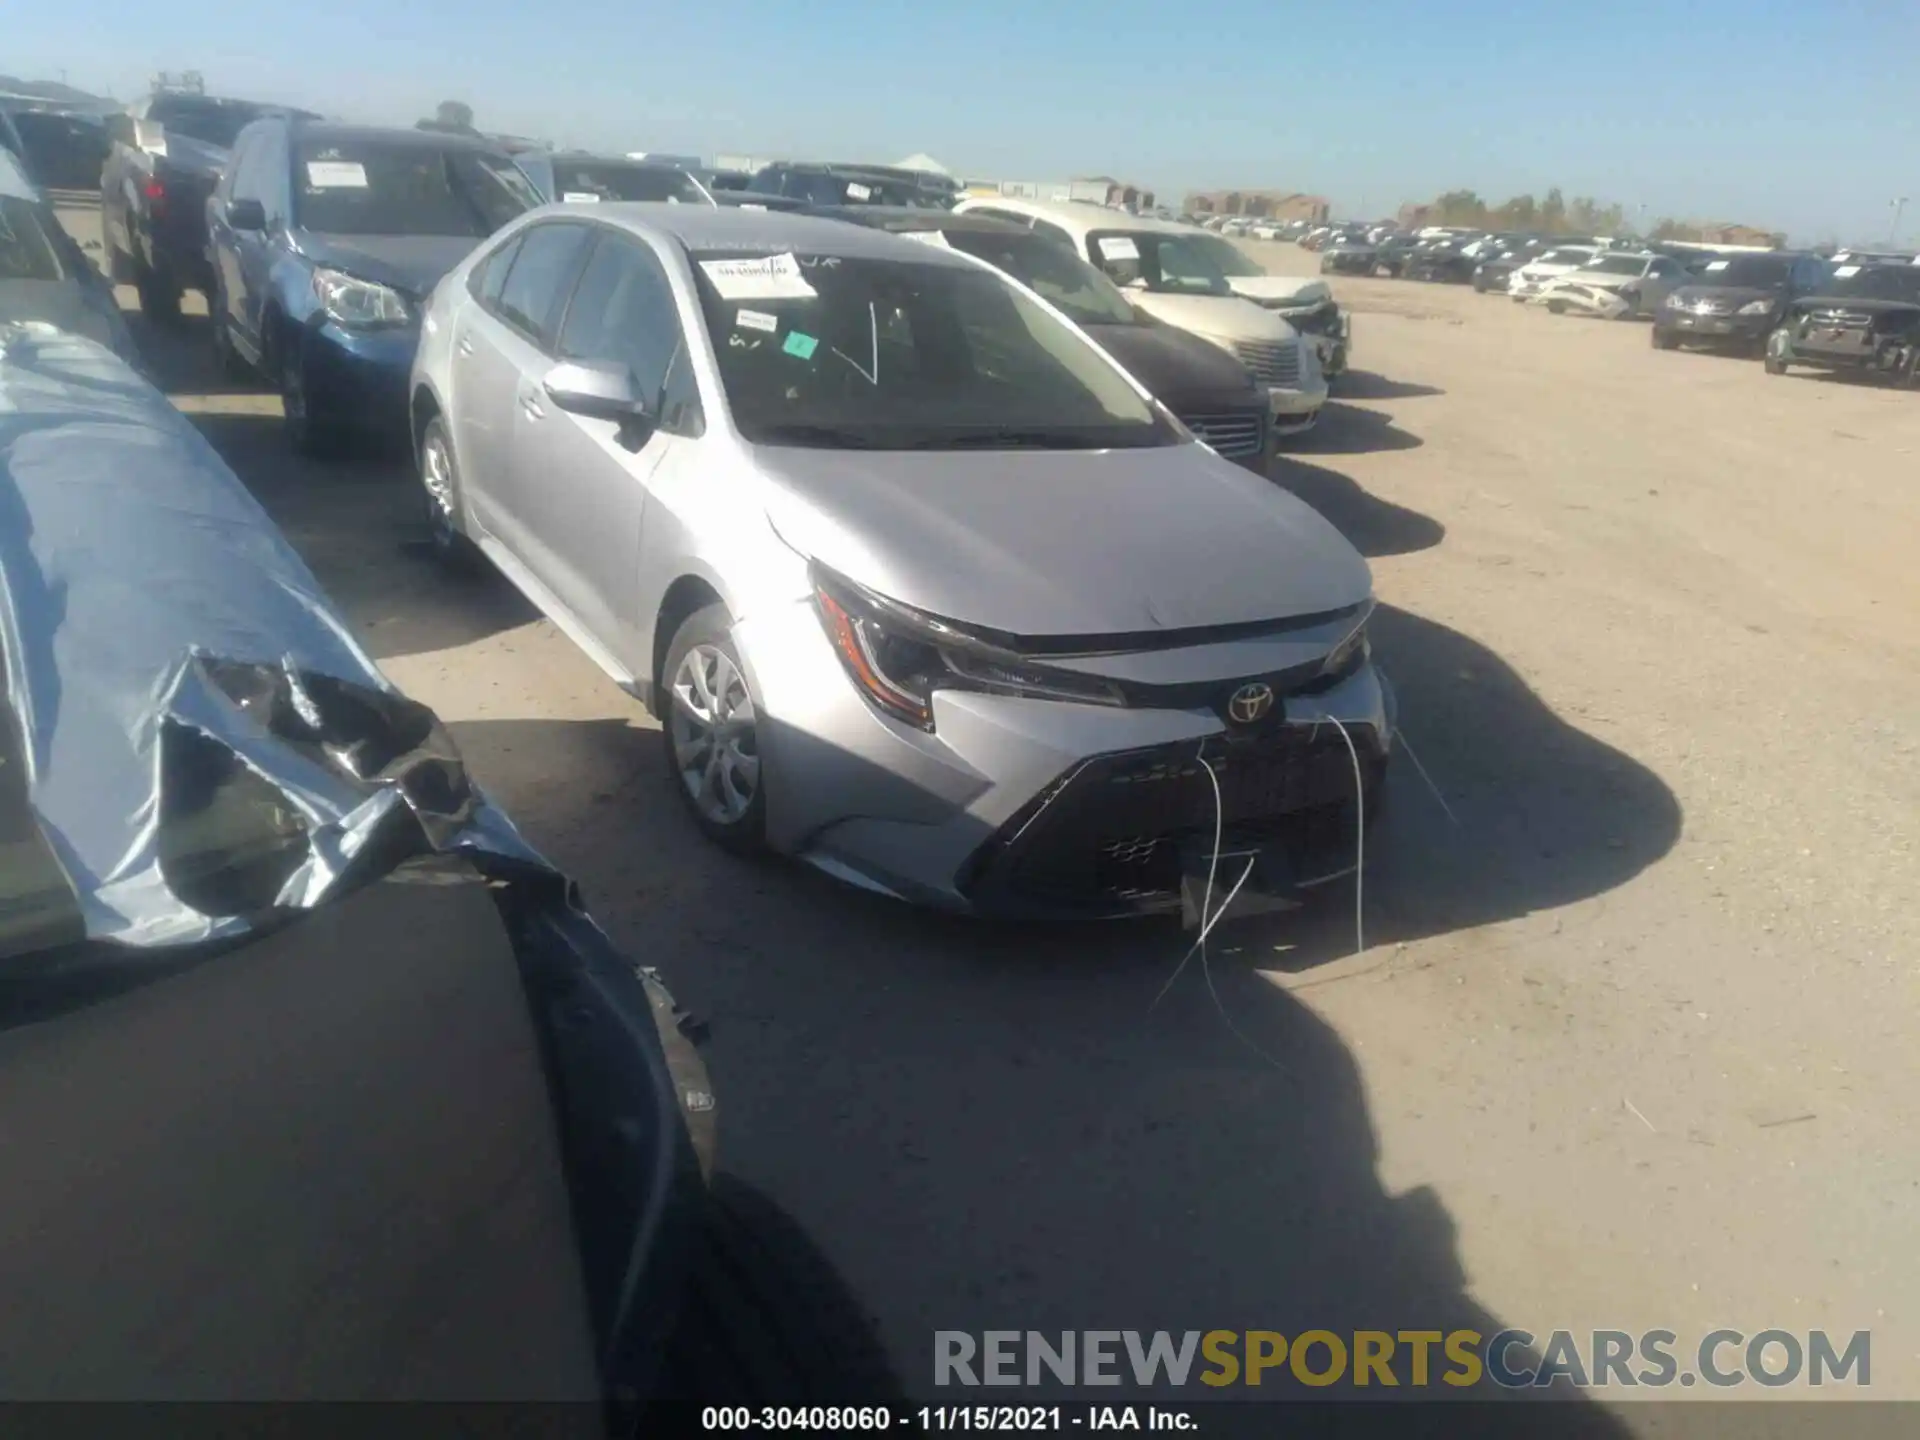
[(926, 589)]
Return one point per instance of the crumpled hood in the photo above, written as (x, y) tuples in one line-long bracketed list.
[(1293, 290), (409, 263), (1063, 542), (1225, 317)]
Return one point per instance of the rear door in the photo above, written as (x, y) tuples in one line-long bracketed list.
[(584, 482)]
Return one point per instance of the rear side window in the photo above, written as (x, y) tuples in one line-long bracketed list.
[(539, 277), (486, 278)]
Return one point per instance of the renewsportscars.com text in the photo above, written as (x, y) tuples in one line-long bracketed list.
[(1373, 1359)]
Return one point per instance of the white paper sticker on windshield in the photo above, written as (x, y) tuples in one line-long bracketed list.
[(756, 320), (1716, 265), (1118, 247), (770, 277), (859, 192), (753, 207), (336, 175), (926, 237), (1845, 271), (580, 197)]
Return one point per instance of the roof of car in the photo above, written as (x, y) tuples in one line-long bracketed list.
[(1083, 216), (324, 130), (729, 228), (916, 217)]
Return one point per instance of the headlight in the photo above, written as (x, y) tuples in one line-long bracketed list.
[(352, 301), (897, 657), (1755, 307), (1348, 655), (1677, 301)]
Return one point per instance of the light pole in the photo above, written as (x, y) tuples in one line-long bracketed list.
[(1896, 206)]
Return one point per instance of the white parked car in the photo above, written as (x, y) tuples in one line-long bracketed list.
[(1530, 278), (1171, 272), (1613, 286)]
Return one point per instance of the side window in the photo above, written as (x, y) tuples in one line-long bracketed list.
[(249, 168), (1053, 232), (623, 311), (485, 279), (230, 177), (539, 277), (271, 175)]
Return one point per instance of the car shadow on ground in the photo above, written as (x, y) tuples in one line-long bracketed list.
[(1366, 385), (1346, 429), (1020, 1136), (1373, 526)]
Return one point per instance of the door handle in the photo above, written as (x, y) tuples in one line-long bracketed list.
[(530, 402), (464, 345)]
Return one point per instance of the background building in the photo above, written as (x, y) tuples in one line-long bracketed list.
[(1270, 204)]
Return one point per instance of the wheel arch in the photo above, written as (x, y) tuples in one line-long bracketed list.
[(689, 593)]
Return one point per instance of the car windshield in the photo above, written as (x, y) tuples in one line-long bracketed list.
[(845, 352), (363, 187), (1875, 282), (1618, 265), (1048, 268), (1224, 255), (1164, 264), (1566, 257), (608, 180), (833, 187), (27, 250), (213, 122), (1747, 270)]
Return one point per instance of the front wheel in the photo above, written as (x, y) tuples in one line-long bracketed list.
[(440, 499), (1664, 339), (711, 733), (1775, 358), (310, 432)]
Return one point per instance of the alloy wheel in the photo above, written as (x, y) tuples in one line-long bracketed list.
[(715, 742), (436, 478)]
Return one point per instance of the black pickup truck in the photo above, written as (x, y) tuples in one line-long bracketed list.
[(166, 153)]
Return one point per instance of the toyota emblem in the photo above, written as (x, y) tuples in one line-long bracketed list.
[(1250, 703)]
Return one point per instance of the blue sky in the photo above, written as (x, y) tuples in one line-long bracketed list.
[(1802, 116)]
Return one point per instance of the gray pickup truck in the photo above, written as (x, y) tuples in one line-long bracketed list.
[(166, 153)]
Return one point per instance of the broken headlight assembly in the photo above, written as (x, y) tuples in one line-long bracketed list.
[(897, 657), (1755, 307)]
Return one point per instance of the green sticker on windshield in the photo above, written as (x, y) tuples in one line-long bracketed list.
[(800, 346)]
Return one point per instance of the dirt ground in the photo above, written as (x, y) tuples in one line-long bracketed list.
[(1631, 1040)]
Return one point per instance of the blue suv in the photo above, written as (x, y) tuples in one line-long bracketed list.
[(325, 241)]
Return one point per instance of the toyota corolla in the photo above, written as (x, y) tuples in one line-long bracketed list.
[(925, 589)]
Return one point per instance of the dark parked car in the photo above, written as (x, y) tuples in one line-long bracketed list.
[(166, 154), (325, 240), (1865, 319), (300, 1041), (44, 276), (1348, 255), (1449, 261), (854, 185), (575, 177), (1736, 300), (1393, 254), (1211, 392)]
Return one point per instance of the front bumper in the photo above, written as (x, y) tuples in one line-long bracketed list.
[(1583, 300), (1882, 355), (1722, 329), (358, 378), (1029, 806)]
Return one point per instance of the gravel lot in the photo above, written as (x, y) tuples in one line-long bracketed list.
[(1631, 1042)]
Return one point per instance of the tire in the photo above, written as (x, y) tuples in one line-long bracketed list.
[(315, 435), (1774, 357), (1664, 340), (766, 1319), (441, 506), (159, 295), (704, 642)]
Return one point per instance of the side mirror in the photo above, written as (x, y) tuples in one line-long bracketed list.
[(598, 389), (246, 215)]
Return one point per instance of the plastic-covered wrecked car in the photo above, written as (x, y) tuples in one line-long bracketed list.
[(303, 1050)]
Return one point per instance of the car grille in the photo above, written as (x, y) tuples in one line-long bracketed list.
[(1273, 362), (1841, 319), (1234, 436), (1117, 832)]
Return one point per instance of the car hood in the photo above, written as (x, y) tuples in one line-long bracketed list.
[(1218, 317), (1063, 542), (1733, 294), (1597, 279), (67, 306), (1854, 302), (1291, 290), (1176, 366), (411, 263)]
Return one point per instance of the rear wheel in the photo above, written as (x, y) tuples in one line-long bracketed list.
[(711, 732), (159, 295)]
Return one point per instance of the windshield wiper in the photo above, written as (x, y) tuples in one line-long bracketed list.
[(817, 435), (1012, 440)]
